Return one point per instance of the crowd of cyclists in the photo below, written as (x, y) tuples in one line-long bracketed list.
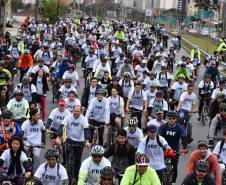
[(133, 114)]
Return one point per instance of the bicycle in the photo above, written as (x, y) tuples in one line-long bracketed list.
[(95, 136), (55, 88), (205, 112), (87, 74), (30, 153)]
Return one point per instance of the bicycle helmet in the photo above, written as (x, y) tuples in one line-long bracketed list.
[(202, 165), (121, 55), (26, 51), (18, 92), (132, 121), (52, 152), (100, 91), (97, 149), (107, 171), (7, 114), (181, 76), (207, 76), (142, 160), (102, 55), (67, 80), (25, 80), (115, 78), (222, 106), (172, 115), (159, 94), (127, 74), (152, 73), (220, 96), (153, 84)]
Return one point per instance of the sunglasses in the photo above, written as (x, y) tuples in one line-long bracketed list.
[(202, 171), (106, 179), (6, 117), (132, 126), (97, 156)]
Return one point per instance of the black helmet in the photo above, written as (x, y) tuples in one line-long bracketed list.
[(159, 94), (18, 92), (100, 91), (25, 80), (172, 115), (52, 152), (222, 106), (107, 171), (202, 165), (102, 55), (7, 114)]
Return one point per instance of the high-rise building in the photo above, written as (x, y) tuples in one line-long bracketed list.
[(183, 6)]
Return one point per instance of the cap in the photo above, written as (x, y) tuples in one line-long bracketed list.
[(61, 102), (152, 128)]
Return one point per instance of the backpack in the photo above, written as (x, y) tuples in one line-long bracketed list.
[(158, 141), (58, 169), (221, 147)]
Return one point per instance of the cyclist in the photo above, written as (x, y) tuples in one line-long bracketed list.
[(25, 62), (65, 89), (177, 89), (52, 172), (33, 128), (214, 105), (134, 134), (105, 80), (126, 68), (203, 153), (151, 92), (137, 102), (199, 175), (182, 70), (5, 79), (127, 85), (35, 68), (72, 74), (152, 80), (8, 130), (14, 162), (153, 146), (139, 69), (214, 72), (90, 60), (19, 107), (220, 90), (91, 167), (72, 101), (123, 153), (185, 107), (107, 176), (206, 87), (219, 151), (115, 84), (156, 104), (28, 89), (195, 51), (218, 124), (140, 173), (102, 68), (89, 92), (173, 133), (77, 135), (54, 121), (98, 113), (158, 121)]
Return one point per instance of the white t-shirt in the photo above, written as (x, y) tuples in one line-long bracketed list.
[(179, 89), (33, 133), (75, 127), (156, 123), (137, 99), (49, 176), (58, 117), (188, 100), (70, 105), (7, 161), (140, 70), (73, 76), (115, 104), (216, 92), (92, 169), (190, 68), (163, 79), (156, 106), (27, 91), (222, 155), (154, 152), (134, 138), (206, 87), (150, 95), (64, 91), (92, 93)]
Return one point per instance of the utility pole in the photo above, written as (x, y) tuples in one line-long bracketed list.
[(2, 16), (58, 8), (36, 9)]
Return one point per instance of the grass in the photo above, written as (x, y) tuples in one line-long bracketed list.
[(201, 42)]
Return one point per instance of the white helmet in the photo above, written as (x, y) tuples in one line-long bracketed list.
[(97, 149)]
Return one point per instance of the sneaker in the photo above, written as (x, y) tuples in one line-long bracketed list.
[(199, 118)]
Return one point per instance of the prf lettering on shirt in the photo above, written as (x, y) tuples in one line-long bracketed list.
[(60, 117), (74, 124), (95, 171), (34, 129), (131, 138), (50, 177), (18, 105), (151, 146), (170, 133), (98, 107)]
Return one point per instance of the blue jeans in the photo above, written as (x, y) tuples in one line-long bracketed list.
[(183, 114)]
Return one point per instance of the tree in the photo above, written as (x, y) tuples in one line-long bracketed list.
[(53, 9), (207, 4)]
